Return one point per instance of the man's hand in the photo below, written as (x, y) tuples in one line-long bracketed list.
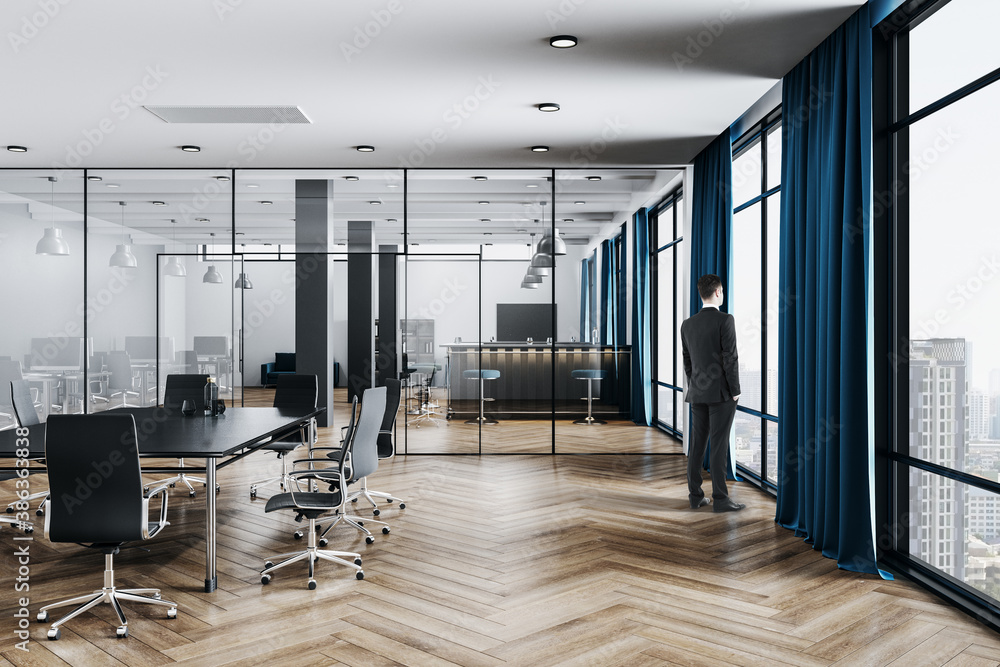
[(736, 397)]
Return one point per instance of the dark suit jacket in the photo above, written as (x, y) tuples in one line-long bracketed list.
[(710, 360)]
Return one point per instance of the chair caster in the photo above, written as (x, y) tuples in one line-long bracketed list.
[(268, 564), (385, 530), (42, 616), (54, 634), (388, 500), (10, 510), (357, 561), (312, 584), (171, 485), (155, 596), (29, 530), (172, 612), (265, 579), (218, 488), (369, 539), (253, 494), (39, 512), (354, 500), (145, 491), (360, 575), (402, 506), (361, 523), (191, 494), (323, 542), (297, 534), (376, 512), (122, 632)]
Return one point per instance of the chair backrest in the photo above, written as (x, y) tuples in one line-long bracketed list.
[(10, 371), (120, 367), (386, 445), (95, 480), (296, 391), (363, 445), (24, 407), (180, 388)]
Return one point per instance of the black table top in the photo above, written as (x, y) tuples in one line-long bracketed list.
[(168, 434)]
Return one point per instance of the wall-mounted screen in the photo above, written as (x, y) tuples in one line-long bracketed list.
[(57, 354), (521, 321), (211, 346)]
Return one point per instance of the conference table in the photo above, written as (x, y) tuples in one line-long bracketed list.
[(220, 441)]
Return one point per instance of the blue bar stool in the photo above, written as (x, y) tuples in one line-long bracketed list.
[(481, 375), (589, 375)]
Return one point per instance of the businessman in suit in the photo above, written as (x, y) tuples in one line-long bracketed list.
[(713, 388)]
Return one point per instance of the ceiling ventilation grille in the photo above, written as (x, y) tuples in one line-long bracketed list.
[(229, 114)]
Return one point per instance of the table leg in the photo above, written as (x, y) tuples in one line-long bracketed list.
[(211, 577)]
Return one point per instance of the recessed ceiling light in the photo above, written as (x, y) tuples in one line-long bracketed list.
[(201, 219), (567, 219), (252, 185), (539, 149), (563, 41), (579, 203), (94, 178), (222, 178), (375, 202), (266, 203), (593, 178), (487, 233), (487, 244), (391, 220), (111, 185), (191, 149), (350, 178), (392, 185), (485, 220), (548, 106), (17, 149), (484, 202), (479, 178), (159, 203), (531, 185), (365, 149)]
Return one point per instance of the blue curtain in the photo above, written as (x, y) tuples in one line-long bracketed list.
[(712, 217), (642, 371), (609, 294), (712, 226), (585, 300), (823, 447)]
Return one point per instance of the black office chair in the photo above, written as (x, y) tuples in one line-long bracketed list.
[(102, 448), (180, 388), (121, 381), (17, 386), (312, 504), (386, 448), (296, 392), (186, 361)]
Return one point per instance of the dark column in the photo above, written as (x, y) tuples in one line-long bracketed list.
[(313, 293), (385, 364), (360, 311)]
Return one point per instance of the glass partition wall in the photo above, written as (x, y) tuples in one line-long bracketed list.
[(482, 290)]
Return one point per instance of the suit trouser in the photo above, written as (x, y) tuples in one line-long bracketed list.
[(710, 422)]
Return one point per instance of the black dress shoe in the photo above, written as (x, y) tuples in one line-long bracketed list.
[(700, 503), (728, 505)]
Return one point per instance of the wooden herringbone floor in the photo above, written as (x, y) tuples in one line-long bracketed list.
[(521, 560)]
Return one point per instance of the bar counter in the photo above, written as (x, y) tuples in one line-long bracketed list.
[(536, 379)]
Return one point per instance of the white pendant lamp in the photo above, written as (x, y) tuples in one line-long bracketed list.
[(123, 257), (173, 267), (212, 275), (552, 245), (243, 282), (52, 241)]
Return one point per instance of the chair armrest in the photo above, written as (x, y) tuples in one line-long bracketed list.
[(308, 474), (162, 523), (264, 370)]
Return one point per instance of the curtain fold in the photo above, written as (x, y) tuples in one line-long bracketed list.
[(642, 371), (823, 445), (711, 229)]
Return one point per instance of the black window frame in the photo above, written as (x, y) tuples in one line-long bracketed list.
[(658, 245)]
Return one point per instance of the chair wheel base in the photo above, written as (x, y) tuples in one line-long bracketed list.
[(590, 421), (265, 579), (122, 632), (42, 616), (402, 506), (53, 635), (360, 575), (312, 584), (369, 539)]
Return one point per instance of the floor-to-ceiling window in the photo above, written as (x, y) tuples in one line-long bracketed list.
[(939, 68), (754, 299), (667, 261)]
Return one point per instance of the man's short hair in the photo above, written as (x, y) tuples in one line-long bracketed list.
[(707, 285)]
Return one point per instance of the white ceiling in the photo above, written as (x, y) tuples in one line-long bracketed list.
[(447, 84)]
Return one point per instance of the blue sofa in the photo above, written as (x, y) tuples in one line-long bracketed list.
[(283, 364)]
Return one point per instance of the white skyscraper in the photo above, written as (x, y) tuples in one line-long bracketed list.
[(979, 415)]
